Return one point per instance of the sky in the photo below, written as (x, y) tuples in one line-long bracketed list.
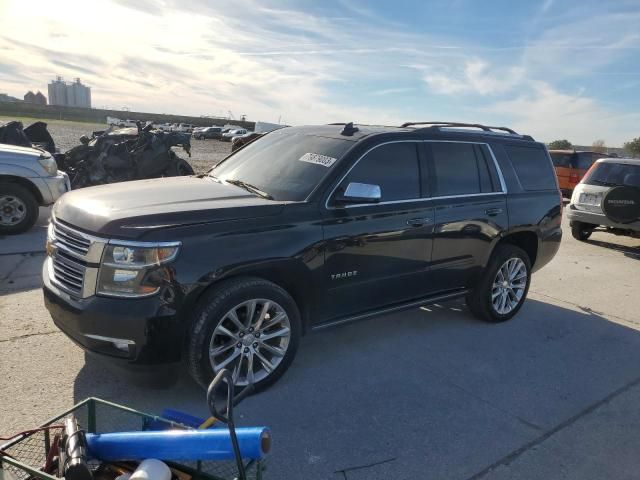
[(549, 68)]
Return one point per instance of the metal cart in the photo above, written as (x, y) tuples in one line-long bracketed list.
[(24, 456)]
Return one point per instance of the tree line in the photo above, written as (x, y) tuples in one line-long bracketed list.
[(632, 147)]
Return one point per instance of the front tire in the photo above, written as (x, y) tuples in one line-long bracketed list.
[(581, 231), (504, 285), (249, 326), (18, 209)]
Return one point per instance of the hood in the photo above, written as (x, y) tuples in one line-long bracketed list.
[(11, 152), (130, 209)]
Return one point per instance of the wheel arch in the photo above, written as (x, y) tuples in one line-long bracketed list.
[(290, 275), (26, 183), (527, 240)]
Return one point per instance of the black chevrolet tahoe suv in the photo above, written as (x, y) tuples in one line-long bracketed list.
[(305, 228)]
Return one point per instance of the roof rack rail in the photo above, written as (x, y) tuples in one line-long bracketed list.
[(486, 128)]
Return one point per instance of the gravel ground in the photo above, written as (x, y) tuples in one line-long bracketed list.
[(204, 153)]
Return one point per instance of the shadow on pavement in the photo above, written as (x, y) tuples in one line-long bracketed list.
[(428, 393), (629, 251)]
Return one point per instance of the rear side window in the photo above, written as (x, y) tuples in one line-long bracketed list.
[(532, 167), (394, 167), (566, 160), (586, 159), (462, 169), (613, 174)]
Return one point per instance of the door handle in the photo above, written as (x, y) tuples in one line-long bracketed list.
[(418, 222), (492, 212)]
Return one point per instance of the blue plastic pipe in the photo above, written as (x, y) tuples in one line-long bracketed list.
[(213, 444)]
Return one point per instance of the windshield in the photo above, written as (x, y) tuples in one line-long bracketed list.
[(285, 164), (611, 174)]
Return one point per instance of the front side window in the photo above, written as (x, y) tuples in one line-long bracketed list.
[(393, 167), (286, 164)]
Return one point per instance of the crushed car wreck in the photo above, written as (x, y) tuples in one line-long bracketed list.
[(125, 154), (109, 156), (35, 135)]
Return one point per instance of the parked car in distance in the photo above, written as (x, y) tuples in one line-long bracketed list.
[(242, 140), (306, 228), (207, 132), (571, 166), (183, 127), (228, 136), (165, 127), (29, 178), (607, 199)]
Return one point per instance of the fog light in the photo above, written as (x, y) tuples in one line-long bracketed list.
[(122, 345), (119, 343)]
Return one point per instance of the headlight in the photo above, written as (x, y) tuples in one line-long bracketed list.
[(135, 269), (49, 164)]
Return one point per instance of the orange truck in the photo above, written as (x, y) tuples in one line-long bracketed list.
[(571, 166)]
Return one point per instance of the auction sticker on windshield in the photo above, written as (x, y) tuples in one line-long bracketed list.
[(318, 159)]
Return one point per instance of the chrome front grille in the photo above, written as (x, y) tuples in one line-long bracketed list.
[(67, 273), (74, 259), (69, 239)]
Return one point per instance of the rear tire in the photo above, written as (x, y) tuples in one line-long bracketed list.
[(217, 341), (18, 209), (507, 276), (581, 231)]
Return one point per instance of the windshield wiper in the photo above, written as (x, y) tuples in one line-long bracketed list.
[(250, 188)]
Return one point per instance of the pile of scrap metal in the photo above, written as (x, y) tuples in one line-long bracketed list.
[(109, 156), (35, 135), (118, 155)]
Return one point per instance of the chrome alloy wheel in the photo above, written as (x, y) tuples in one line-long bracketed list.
[(12, 210), (509, 286), (251, 340)]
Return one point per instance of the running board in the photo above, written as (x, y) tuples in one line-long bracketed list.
[(396, 308)]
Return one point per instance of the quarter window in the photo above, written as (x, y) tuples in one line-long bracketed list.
[(392, 166), (532, 166)]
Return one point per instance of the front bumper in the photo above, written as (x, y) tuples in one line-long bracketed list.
[(583, 216), (52, 188), (136, 331)]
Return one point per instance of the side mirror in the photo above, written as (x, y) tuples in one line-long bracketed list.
[(360, 193)]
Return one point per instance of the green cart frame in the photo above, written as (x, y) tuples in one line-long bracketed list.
[(23, 457)]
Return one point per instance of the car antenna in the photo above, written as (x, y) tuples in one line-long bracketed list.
[(349, 129)]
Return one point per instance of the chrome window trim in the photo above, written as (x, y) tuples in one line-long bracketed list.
[(503, 185)]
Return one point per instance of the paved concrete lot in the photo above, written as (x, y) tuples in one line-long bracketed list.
[(428, 393)]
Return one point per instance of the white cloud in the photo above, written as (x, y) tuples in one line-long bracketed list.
[(475, 77), (546, 6), (549, 114), (195, 57)]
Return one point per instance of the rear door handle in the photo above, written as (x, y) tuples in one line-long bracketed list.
[(418, 222), (492, 212)]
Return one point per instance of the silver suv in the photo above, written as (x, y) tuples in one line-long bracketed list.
[(608, 199), (29, 177)]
